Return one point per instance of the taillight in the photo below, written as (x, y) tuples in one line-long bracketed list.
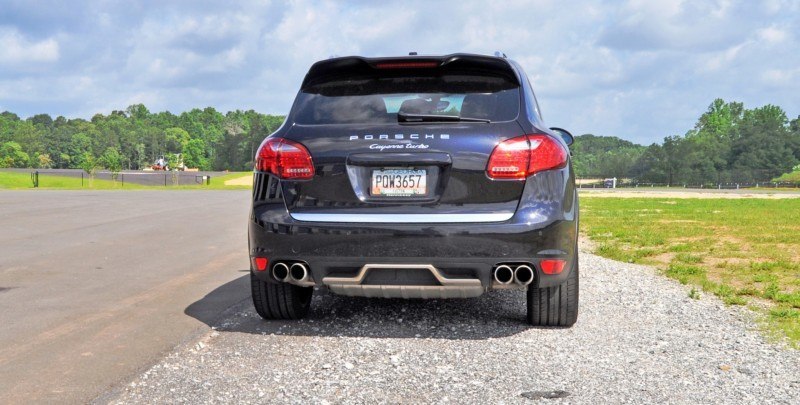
[(285, 159), (522, 156)]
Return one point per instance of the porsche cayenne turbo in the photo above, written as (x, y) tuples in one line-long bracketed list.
[(415, 177)]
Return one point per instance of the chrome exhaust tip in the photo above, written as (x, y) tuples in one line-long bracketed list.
[(523, 275), (298, 272), (280, 271), (503, 274)]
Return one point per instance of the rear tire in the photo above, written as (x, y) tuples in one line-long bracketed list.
[(555, 306), (280, 300)]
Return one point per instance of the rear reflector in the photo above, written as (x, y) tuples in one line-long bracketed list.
[(285, 159), (552, 266), (261, 263), (517, 158), (406, 65)]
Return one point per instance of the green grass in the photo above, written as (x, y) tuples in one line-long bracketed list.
[(793, 177), (737, 249), (14, 180)]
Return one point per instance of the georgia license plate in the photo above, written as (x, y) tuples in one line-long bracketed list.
[(399, 182)]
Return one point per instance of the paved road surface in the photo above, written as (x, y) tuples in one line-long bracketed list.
[(97, 286)]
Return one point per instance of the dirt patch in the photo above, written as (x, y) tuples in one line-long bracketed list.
[(689, 239), (724, 276), (245, 180), (677, 221), (730, 242), (720, 263), (792, 251), (662, 259), (586, 244)]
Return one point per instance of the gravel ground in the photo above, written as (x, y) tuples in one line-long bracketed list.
[(639, 338)]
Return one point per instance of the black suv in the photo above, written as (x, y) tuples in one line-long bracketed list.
[(415, 177)]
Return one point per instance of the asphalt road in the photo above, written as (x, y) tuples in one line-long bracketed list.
[(97, 286)]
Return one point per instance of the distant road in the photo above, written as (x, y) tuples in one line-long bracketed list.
[(94, 285), (679, 192)]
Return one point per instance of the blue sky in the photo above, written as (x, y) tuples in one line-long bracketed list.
[(638, 69)]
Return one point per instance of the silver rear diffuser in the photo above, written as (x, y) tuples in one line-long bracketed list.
[(448, 288)]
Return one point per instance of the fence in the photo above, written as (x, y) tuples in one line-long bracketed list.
[(160, 178)]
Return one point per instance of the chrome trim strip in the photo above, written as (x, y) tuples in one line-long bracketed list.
[(403, 218)]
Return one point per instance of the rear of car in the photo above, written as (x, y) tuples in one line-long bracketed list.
[(414, 177)]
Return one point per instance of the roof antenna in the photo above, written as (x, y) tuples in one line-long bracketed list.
[(500, 54), (412, 54)]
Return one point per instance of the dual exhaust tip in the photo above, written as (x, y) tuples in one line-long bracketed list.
[(296, 272), (522, 274)]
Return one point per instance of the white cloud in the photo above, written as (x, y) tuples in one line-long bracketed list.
[(780, 77), (16, 49), (722, 59), (772, 35)]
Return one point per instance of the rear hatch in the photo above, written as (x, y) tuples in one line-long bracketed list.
[(405, 141)]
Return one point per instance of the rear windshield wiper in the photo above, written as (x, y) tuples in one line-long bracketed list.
[(402, 117)]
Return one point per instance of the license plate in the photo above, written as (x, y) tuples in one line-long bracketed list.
[(399, 182)]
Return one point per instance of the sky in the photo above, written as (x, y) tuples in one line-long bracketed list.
[(639, 69)]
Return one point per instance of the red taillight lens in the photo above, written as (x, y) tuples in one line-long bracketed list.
[(285, 159), (552, 266), (520, 157), (546, 154), (261, 263), (510, 159)]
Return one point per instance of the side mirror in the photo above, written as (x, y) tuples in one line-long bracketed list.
[(565, 135)]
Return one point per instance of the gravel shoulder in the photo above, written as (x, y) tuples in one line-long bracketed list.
[(639, 338)]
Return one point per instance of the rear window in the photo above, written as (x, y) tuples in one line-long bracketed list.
[(378, 100)]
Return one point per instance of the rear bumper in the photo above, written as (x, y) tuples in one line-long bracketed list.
[(458, 250)]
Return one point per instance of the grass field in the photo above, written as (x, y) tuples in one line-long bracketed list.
[(746, 251), (793, 177), (14, 180)]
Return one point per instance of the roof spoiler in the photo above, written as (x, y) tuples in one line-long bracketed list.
[(357, 66)]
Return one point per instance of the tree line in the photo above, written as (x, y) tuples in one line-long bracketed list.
[(135, 138), (729, 143)]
